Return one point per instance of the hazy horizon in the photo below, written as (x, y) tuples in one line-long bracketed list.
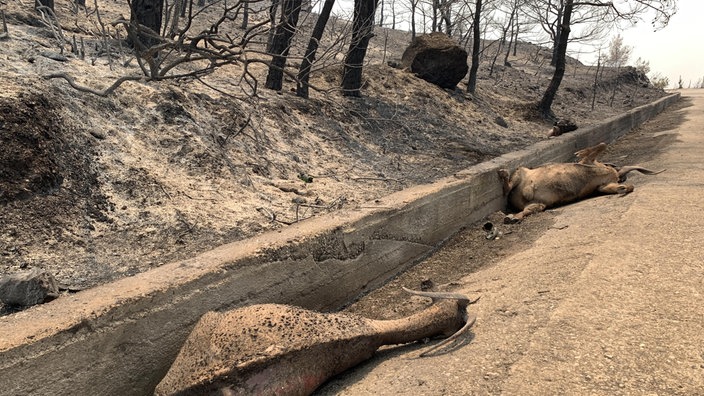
[(675, 50)]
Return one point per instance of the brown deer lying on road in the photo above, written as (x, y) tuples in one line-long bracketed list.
[(272, 349), (534, 190)]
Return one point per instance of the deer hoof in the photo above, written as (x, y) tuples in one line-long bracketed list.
[(511, 219)]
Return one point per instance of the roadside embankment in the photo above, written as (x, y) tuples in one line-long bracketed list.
[(121, 337)]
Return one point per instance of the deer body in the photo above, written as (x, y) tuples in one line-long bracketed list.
[(272, 349)]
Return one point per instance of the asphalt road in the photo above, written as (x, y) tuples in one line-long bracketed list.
[(608, 301)]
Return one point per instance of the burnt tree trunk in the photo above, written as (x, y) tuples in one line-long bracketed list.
[(147, 13), (512, 25), (414, 4), (45, 3), (596, 80), (499, 47), (362, 27), (558, 36), (435, 18), (245, 15), (272, 19), (309, 57), (281, 44), (178, 7), (446, 17), (546, 103), (472, 82)]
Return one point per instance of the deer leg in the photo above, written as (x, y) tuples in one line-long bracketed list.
[(616, 188), (527, 211), (589, 154), (506, 180)]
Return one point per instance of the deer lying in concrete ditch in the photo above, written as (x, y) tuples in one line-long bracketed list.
[(272, 349), (533, 190)]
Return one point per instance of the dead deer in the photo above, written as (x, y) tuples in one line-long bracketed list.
[(272, 349), (562, 126), (533, 190)]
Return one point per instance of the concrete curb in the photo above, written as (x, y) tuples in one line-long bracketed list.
[(120, 338)]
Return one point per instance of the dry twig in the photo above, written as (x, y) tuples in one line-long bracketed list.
[(107, 91), (49, 19), (386, 179)]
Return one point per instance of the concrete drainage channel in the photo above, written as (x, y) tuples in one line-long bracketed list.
[(120, 338)]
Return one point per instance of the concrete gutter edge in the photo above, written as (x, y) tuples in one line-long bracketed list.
[(120, 338)]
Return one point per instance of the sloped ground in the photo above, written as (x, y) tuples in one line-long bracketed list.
[(96, 188)]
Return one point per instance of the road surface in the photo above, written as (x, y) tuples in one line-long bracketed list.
[(609, 300)]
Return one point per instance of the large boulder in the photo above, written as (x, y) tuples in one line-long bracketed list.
[(27, 288), (436, 58)]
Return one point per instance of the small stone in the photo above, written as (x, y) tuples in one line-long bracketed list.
[(306, 178), (100, 135), (500, 121), (426, 285)]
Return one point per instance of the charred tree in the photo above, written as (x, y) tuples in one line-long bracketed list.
[(445, 16), (549, 96), (45, 3), (147, 14), (558, 35), (309, 57), (281, 44), (434, 28), (362, 28), (414, 6), (513, 24), (272, 18), (245, 16), (476, 44), (596, 80)]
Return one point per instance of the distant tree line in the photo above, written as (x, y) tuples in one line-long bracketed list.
[(168, 45)]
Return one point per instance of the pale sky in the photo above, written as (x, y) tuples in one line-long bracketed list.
[(676, 50)]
